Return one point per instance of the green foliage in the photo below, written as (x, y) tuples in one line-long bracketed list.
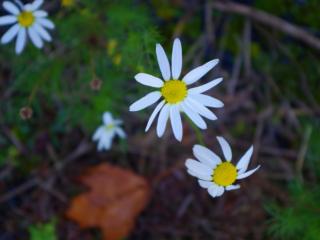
[(55, 81), (43, 231), (313, 154), (301, 219), (294, 62)]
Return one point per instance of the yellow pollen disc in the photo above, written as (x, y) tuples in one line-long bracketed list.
[(225, 174), (174, 91), (67, 3), (26, 19), (109, 126)]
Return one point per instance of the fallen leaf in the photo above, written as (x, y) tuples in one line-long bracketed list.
[(115, 199)]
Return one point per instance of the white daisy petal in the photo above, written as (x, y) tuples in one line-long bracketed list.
[(204, 184), (208, 100), (45, 23), (226, 149), (163, 62), (243, 163), (154, 114), (120, 132), (5, 20), (106, 140), (107, 144), (107, 118), (162, 120), (42, 32), (206, 156), (34, 36), (33, 6), (146, 101), (247, 174), (10, 34), (194, 116), (40, 14), (198, 167), (199, 72), (149, 80), (107, 132), (176, 63), (176, 123), (194, 174), (215, 190), (205, 87), (98, 133), (37, 3), (100, 145), (21, 40), (11, 8), (220, 191), (117, 122), (232, 187), (199, 176), (199, 108)]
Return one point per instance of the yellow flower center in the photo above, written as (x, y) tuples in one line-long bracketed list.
[(224, 174), (174, 91), (109, 126), (26, 19), (67, 3)]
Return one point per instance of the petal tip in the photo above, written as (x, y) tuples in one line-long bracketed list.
[(197, 146), (131, 109), (188, 162), (220, 138), (219, 80), (177, 40)]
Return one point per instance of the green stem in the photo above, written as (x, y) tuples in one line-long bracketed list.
[(197, 131)]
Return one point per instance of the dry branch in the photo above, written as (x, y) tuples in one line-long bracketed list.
[(270, 20)]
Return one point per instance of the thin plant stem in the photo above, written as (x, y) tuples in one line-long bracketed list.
[(197, 131)]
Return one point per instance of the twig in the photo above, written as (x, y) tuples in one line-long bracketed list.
[(12, 137), (194, 48), (263, 116), (297, 66), (48, 183), (6, 171), (270, 20), (209, 23), (19, 190), (235, 74), (82, 149), (247, 48), (166, 173), (303, 151), (182, 23)]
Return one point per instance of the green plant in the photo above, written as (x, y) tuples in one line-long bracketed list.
[(43, 231), (301, 218)]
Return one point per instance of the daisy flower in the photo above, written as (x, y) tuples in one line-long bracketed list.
[(216, 175), (105, 133), (27, 20), (175, 94)]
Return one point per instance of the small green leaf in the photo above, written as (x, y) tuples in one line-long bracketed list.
[(43, 231)]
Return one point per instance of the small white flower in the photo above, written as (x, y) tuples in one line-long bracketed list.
[(215, 175), (105, 133), (175, 95), (28, 21)]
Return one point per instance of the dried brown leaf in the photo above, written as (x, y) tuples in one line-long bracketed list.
[(116, 198)]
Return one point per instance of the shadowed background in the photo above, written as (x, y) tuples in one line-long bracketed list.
[(52, 100)]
